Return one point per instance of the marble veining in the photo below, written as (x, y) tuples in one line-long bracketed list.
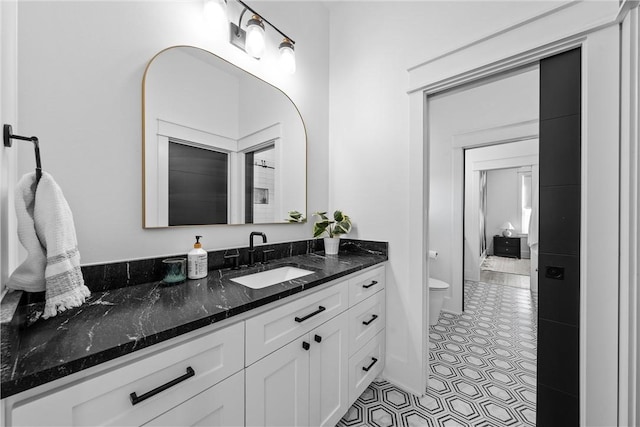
[(118, 320)]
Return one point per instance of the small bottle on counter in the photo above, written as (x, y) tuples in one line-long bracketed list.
[(197, 261)]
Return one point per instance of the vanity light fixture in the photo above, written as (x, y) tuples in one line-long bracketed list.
[(252, 40), (287, 57), (254, 44)]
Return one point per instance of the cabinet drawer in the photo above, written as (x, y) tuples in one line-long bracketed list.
[(365, 365), (366, 284), (366, 319), (273, 329), (106, 399), (507, 241), (219, 406)]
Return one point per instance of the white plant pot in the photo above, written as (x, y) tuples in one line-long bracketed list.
[(331, 245)]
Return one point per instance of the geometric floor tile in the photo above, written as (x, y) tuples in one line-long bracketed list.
[(482, 368)]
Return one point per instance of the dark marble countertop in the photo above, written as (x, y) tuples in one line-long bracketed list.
[(116, 322)]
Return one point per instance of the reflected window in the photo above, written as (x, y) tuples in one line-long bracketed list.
[(198, 185)]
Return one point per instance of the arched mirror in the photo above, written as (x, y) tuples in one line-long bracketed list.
[(220, 146)]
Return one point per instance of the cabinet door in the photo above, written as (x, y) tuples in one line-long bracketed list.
[(277, 387), (219, 406), (329, 375)]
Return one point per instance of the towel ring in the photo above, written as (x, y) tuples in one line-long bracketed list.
[(8, 136)]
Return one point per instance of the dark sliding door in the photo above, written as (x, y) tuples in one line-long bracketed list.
[(559, 247), (197, 185)]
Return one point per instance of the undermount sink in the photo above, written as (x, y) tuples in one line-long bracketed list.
[(271, 277)]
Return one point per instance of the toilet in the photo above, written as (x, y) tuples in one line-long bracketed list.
[(437, 292)]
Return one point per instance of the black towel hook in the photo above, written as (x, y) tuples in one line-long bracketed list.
[(8, 135)]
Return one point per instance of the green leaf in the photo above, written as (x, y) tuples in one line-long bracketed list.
[(338, 216), (343, 227), (320, 227)]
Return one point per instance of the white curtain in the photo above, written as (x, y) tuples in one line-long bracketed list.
[(532, 238), (482, 214)]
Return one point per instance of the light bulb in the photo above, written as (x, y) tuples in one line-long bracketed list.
[(214, 12), (287, 57), (254, 44)]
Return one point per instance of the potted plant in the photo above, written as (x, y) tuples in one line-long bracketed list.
[(341, 224)]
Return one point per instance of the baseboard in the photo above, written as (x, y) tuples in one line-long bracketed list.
[(401, 386)]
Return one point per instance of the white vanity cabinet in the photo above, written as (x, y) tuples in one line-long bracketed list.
[(134, 395), (303, 383), (300, 363)]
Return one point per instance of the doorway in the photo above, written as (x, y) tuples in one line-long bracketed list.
[(599, 372), (556, 383), (500, 198)]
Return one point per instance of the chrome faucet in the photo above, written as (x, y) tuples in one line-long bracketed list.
[(251, 250)]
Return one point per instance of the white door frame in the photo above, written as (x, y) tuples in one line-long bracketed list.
[(629, 217), (593, 26)]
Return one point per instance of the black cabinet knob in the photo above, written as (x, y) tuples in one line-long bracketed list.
[(306, 345), (318, 338)]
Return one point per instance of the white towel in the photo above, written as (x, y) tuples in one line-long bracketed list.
[(46, 230)]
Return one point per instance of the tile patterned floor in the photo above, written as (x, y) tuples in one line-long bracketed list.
[(505, 279), (483, 369)]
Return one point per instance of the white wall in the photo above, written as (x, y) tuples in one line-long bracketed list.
[(182, 88), (8, 114), (80, 68), (372, 46), (502, 200)]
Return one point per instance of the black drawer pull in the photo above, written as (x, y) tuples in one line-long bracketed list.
[(135, 399), (373, 282), (306, 345), (366, 368), (318, 311), (318, 338), (366, 323)]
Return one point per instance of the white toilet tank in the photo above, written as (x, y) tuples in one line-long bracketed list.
[(437, 292)]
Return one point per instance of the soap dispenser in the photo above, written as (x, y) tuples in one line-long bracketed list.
[(197, 261)]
